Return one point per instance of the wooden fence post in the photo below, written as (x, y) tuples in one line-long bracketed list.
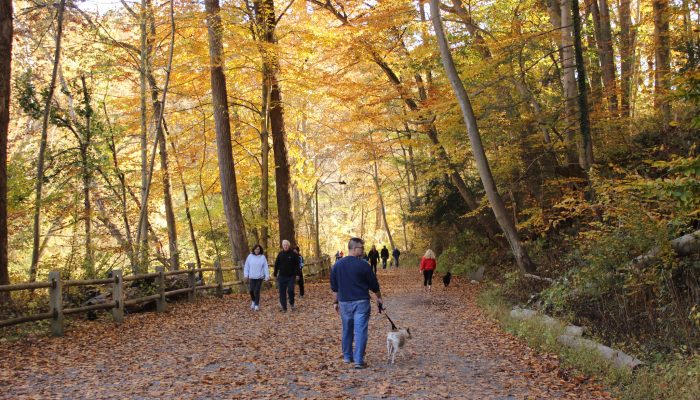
[(160, 280), (219, 276), (118, 296), (56, 303), (190, 275)]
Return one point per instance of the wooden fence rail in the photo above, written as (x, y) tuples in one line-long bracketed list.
[(314, 268)]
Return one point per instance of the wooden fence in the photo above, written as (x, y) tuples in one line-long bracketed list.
[(315, 268)]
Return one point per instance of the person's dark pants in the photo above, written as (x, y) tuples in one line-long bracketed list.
[(384, 260), (254, 286), (301, 284), (428, 278), (396, 261), (285, 284), (373, 263)]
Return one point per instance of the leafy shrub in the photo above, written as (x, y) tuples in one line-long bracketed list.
[(466, 255)]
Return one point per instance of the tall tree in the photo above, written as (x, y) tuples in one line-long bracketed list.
[(86, 175), (497, 205), (626, 56), (43, 143), (6, 33), (264, 164), (227, 171), (607, 57), (160, 135), (142, 228), (586, 152), (662, 58), (267, 21), (560, 17)]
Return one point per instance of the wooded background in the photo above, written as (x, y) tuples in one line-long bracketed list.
[(136, 134)]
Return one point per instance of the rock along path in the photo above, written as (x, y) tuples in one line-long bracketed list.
[(220, 349)]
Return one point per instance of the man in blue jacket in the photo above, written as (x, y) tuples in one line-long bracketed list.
[(351, 280)]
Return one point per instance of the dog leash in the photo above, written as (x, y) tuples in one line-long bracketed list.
[(393, 326)]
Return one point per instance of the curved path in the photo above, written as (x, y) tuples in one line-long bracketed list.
[(219, 348)]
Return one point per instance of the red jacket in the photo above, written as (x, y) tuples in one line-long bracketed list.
[(427, 264)]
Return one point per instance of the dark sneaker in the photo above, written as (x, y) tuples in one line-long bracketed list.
[(283, 310), (361, 366)]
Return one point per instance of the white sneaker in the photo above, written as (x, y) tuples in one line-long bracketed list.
[(256, 308), (252, 305)]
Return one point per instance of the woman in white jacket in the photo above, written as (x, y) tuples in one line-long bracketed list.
[(256, 270)]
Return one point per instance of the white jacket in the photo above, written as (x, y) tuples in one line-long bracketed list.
[(256, 267)]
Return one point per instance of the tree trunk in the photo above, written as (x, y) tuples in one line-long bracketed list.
[(594, 58), (317, 225), (227, 171), (6, 33), (158, 113), (265, 165), (162, 145), (378, 187), (662, 57), (142, 229), (201, 185), (86, 180), (586, 152), (626, 55), (42, 145), (607, 57), (560, 17), (193, 238), (133, 258), (266, 19), (497, 205)]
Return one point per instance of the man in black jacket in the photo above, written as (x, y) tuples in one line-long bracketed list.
[(286, 270), (385, 256), (373, 258)]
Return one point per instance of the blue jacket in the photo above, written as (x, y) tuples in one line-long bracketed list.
[(352, 278)]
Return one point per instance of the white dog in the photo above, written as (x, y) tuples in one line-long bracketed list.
[(394, 341)]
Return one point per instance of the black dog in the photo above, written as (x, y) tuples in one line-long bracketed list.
[(446, 279)]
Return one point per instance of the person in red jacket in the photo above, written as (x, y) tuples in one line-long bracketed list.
[(427, 266)]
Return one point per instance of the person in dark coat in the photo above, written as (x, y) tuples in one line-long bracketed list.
[(351, 281), (396, 255), (373, 256), (286, 271), (385, 256)]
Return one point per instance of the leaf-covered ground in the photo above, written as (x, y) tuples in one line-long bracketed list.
[(219, 348)]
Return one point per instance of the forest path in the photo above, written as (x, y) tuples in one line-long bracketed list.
[(219, 348)]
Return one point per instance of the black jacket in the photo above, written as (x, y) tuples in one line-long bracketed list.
[(374, 255), (385, 252), (287, 264)]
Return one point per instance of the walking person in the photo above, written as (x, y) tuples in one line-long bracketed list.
[(351, 281), (256, 271), (373, 258), (301, 272), (286, 271), (427, 267), (396, 255), (385, 256)]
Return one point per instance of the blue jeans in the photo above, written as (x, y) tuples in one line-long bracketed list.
[(285, 284), (355, 316)]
